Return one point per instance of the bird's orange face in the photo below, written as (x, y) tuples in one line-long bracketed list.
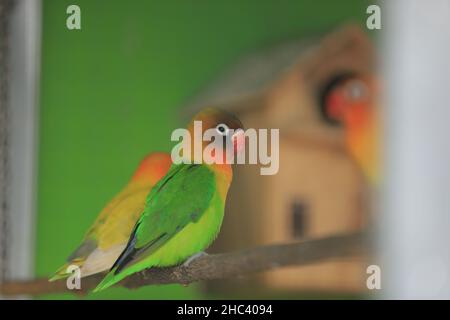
[(352, 102), (228, 133)]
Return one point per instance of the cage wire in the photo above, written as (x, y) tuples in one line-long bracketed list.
[(5, 9)]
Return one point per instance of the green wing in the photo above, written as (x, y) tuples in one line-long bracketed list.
[(179, 198)]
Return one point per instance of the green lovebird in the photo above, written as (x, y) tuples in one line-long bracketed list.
[(184, 210)]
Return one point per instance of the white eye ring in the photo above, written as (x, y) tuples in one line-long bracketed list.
[(222, 129), (357, 90)]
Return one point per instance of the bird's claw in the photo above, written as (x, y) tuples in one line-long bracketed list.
[(194, 257)]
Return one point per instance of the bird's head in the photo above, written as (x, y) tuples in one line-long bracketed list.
[(223, 133), (350, 100), (152, 168)]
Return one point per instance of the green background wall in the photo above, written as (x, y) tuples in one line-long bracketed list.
[(110, 93)]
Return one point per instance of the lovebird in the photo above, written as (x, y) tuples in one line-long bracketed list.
[(352, 101), (184, 211), (108, 235)]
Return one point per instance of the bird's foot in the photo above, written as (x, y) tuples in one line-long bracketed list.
[(194, 257)]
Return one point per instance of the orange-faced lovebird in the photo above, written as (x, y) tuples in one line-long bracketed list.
[(351, 100), (108, 235), (184, 211)]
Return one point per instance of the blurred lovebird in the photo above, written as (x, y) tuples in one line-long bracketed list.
[(108, 235), (184, 211), (351, 100)]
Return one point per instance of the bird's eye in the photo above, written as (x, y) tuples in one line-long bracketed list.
[(337, 94), (222, 129)]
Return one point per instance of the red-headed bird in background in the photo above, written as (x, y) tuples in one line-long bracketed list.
[(351, 101)]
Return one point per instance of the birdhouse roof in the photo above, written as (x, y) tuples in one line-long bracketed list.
[(255, 72)]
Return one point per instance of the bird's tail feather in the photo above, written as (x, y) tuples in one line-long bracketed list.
[(62, 272), (110, 279)]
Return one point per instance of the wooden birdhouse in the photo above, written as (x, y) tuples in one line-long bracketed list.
[(318, 190)]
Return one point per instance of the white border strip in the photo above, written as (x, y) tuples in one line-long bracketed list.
[(415, 233)]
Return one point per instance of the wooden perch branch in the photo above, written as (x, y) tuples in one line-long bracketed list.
[(217, 266)]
